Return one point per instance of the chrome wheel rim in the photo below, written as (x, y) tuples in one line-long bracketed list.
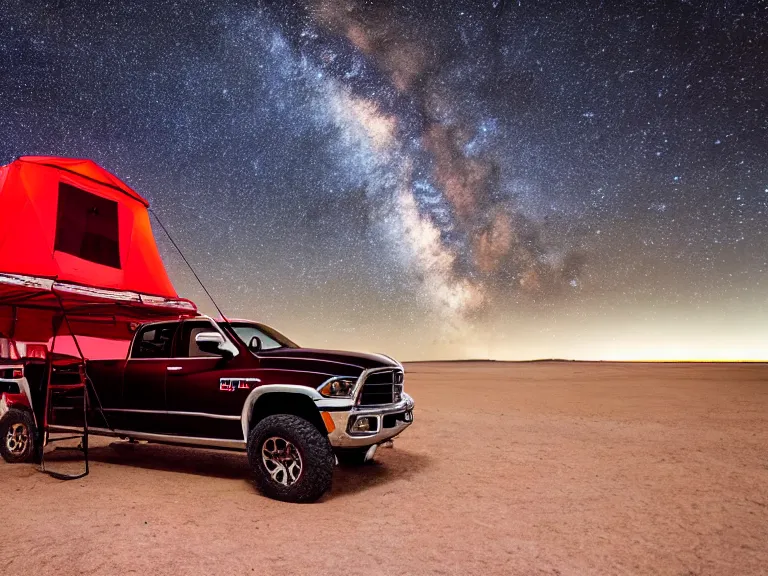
[(17, 438), (282, 460)]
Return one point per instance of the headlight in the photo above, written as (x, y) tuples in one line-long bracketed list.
[(338, 388), (398, 395)]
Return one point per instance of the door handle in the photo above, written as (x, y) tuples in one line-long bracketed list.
[(174, 368)]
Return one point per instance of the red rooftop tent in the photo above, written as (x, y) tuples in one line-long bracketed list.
[(77, 257), (74, 237)]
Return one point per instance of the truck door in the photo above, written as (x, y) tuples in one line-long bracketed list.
[(205, 396), (143, 407)]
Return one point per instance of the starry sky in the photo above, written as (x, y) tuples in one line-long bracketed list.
[(429, 179)]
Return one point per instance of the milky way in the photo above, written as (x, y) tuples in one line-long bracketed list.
[(398, 91), (429, 179)]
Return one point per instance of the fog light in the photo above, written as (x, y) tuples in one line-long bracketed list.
[(364, 424)]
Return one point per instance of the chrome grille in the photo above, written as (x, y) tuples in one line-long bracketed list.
[(384, 387)]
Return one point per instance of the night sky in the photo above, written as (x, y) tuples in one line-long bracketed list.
[(482, 179)]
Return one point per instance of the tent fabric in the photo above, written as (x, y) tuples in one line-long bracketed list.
[(75, 238), (32, 221), (86, 168)]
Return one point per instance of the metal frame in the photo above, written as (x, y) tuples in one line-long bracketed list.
[(51, 285)]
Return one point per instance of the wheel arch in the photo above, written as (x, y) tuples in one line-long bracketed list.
[(19, 402), (281, 399)]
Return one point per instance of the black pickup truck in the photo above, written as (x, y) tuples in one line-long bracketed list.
[(244, 386)]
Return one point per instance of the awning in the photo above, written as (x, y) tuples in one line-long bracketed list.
[(75, 239)]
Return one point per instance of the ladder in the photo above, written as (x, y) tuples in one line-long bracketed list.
[(68, 388)]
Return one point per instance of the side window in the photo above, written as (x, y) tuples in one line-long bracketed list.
[(246, 333), (154, 341), (188, 347)]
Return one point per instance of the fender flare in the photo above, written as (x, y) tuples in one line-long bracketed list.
[(18, 401), (256, 393)]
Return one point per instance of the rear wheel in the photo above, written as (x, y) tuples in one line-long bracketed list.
[(17, 436), (291, 458)]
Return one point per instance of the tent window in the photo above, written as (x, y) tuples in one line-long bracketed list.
[(86, 226)]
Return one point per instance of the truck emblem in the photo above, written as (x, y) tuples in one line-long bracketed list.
[(232, 384)]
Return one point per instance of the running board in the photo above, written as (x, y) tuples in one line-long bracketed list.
[(173, 440)]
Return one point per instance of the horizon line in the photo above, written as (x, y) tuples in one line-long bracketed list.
[(614, 361)]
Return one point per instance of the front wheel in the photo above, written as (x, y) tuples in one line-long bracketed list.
[(17, 436), (292, 460)]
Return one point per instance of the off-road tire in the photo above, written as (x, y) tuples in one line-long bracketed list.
[(313, 447), (13, 417), (352, 456)]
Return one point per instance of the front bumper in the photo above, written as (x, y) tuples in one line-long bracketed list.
[(386, 428)]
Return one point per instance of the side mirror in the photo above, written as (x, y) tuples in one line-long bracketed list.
[(213, 343), (255, 344)]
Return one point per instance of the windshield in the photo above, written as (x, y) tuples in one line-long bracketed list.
[(270, 338)]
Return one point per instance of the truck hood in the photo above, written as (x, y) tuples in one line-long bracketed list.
[(332, 362)]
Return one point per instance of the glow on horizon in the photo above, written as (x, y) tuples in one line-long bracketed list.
[(657, 351)]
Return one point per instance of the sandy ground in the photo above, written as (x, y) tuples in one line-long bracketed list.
[(543, 468)]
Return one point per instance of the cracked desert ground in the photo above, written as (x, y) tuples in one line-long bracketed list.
[(539, 468)]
